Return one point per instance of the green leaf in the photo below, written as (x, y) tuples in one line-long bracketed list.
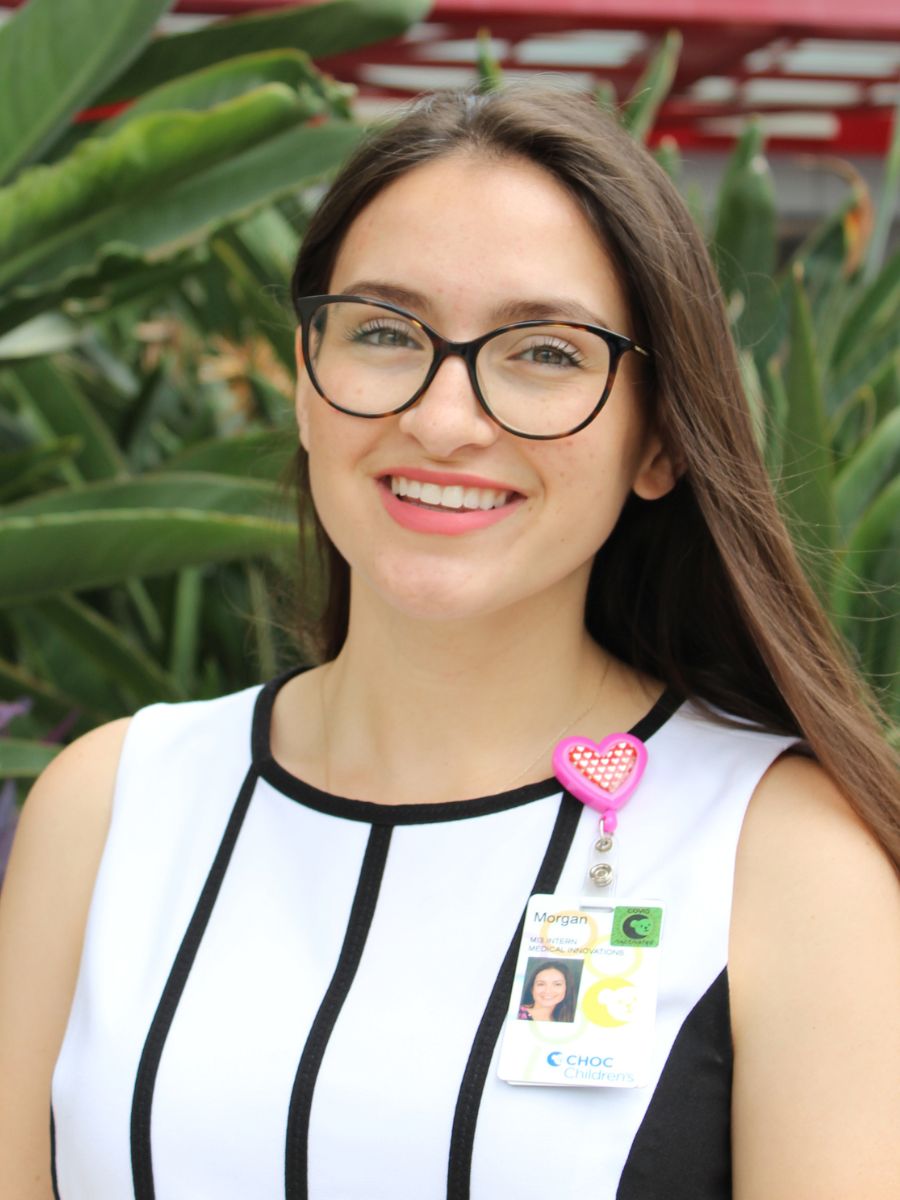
[(63, 410), (490, 73), (320, 30), (55, 58), (51, 703), (202, 493), (114, 239), (874, 357), (46, 554), (876, 306), (875, 464), (807, 471), (887, 203), (228, 80), (744, 241), (866, 598), (652, 87), (852, 423), (56, 217), (260, 455), (668, 155), (273, 319), (22, 759), (20, 468), (186, 626), (112, 652), (50, 333)]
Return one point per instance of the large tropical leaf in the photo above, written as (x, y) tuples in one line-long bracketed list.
[(263, 454), (110, 239), (115, 656), (50, 704), (807, 468), (54, 58), (50, 333), (55, 217), (744, 242), (19, 469), (23, 759), (228, 80), (866, 596), (59, 407), (200, 492), (652, 87), (47, 554), (872, 467), (318, 29), (877, 306)]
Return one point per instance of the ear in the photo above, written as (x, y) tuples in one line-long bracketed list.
[(657, 473), (301, 392)]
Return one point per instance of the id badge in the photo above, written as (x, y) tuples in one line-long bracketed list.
[(583, 1005)]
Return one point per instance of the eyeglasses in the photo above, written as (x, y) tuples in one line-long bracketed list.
[(536, 379)]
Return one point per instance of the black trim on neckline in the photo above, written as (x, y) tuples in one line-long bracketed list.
[(373, 813), (296, 1151), (468, 1102), (145, 1080)]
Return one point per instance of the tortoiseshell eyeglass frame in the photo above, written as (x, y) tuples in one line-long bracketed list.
[(617, 344)]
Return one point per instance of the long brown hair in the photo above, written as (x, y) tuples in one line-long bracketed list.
[(701, 589)]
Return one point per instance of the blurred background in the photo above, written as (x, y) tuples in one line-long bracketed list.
[(158, 163)]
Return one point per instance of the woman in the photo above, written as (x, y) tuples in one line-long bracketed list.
[(548, 994), (529, 531)]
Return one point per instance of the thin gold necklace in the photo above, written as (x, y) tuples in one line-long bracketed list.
[(507, 787)]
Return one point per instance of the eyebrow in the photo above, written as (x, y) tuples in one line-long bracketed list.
[(545, 309)]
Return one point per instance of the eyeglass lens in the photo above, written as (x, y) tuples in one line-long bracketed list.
[(542, 381)]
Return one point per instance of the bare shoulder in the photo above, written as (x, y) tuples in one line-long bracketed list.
[(66, 814), (814, 971), (43, 912)]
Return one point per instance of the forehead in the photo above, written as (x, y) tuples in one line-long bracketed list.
[(550, 972), (473, 234)]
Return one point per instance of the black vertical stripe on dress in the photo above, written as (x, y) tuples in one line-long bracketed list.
[(462, 1137), (682, 1149), (54, 1182), (296, 1155), (145, 1080)]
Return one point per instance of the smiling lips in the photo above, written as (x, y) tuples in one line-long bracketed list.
[(444, 504)]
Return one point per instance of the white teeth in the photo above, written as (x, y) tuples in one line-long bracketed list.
[(453, 496)]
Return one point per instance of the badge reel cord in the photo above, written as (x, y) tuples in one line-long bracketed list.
[(602, 775)]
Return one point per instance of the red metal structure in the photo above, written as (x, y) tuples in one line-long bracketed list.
[(824, 74)]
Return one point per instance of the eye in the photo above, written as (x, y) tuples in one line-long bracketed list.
[(544, 351), (382, 332)]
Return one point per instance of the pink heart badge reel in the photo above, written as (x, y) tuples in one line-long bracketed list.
[(602, 775)]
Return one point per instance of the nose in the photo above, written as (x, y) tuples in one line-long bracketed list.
[(448, 417)]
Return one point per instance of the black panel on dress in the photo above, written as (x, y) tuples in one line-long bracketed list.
[(682, 1150)]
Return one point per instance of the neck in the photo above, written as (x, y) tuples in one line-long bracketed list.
[(405, 696)]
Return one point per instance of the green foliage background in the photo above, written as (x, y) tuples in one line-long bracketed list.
[(146, 353)]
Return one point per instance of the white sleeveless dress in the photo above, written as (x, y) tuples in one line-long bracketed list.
[(281, 996)]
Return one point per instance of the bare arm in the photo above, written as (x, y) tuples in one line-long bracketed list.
[(43, 911), (815, 980)]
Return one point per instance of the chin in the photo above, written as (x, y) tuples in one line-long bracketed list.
[(425, 593)]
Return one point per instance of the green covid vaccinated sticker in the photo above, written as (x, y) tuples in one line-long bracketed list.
[(636, 926)]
